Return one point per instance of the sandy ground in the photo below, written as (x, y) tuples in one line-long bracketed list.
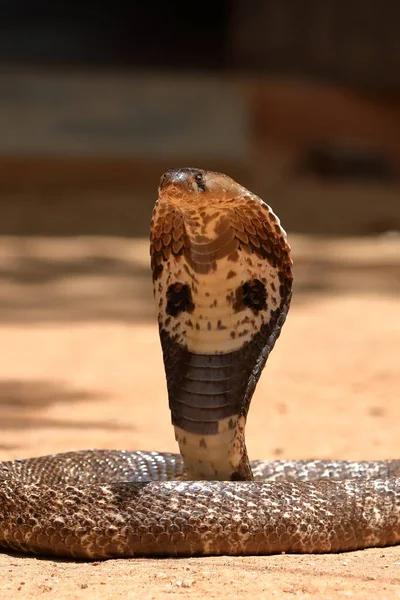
[(81, 367)]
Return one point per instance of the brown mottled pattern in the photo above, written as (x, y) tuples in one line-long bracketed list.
[(222, 275)]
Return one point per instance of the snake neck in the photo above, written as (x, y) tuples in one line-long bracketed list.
[(222, 284), (208, 401), (222, 456)]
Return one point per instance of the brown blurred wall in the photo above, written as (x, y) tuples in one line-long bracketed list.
[(82, 153)]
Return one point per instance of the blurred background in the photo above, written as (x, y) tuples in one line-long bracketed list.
[(299, 101)]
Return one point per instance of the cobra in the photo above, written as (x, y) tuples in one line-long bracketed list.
[(222, 274)]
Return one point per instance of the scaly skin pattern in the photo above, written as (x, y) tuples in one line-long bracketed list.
[(106, 503), (222, 283), (222, 280)]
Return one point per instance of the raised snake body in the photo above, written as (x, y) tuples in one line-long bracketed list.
[(222, 282)]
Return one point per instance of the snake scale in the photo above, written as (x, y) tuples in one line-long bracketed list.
[(222, 274)]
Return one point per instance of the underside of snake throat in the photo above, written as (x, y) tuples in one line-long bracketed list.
[(222, 274)]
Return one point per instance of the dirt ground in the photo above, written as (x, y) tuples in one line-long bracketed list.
[(81, 368)]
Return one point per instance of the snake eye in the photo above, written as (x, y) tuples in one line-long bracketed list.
[(200, 182)]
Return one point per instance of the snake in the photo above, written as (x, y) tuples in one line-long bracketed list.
[(222, 277)]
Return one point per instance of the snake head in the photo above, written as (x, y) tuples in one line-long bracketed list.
[(192, 186)]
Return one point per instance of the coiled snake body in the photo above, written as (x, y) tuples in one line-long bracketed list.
[(222, 283)]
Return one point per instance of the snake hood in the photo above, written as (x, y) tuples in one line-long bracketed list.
[(222, 282)]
